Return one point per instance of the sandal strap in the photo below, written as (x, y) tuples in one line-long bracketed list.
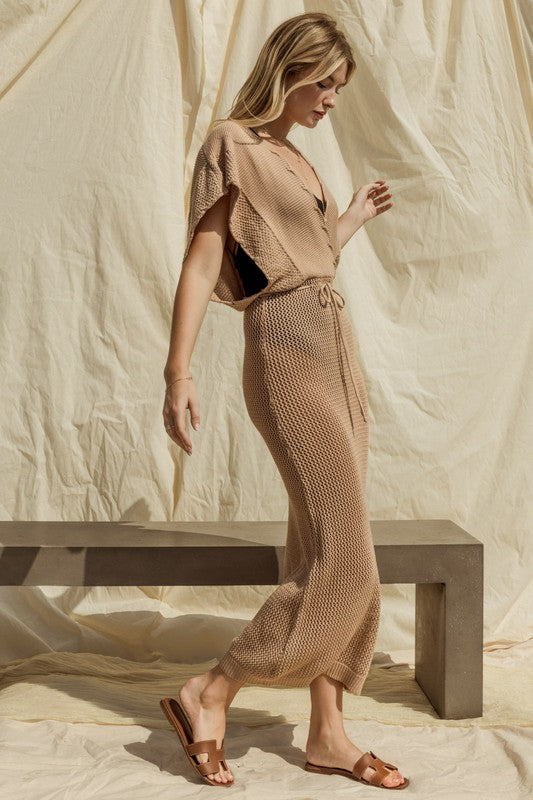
[(382, 768), (208, 767), (214, 755), (205, 746)]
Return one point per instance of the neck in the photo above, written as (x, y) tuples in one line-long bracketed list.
[(278, 128)]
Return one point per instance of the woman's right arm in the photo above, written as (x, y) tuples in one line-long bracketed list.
[(199, 275)]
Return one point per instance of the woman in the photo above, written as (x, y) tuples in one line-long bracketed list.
[(264, 237)]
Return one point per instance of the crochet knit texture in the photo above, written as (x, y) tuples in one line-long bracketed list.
[(305, 393), (273, 215)]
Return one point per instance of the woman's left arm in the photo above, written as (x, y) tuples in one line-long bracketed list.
[(366, 203)]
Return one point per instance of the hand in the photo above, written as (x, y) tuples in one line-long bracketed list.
[(178, 397), (367, 202)]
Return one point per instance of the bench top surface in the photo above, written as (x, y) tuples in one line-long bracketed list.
[(42, 534)]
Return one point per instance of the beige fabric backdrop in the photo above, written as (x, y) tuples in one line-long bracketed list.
[(104, 105)]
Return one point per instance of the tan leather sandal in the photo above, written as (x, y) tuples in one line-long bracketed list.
[(176, 715), (382, 769)]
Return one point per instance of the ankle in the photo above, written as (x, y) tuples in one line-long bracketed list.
[(326, 732), (215, 691)]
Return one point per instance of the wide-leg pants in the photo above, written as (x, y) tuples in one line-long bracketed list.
[(305, 393)]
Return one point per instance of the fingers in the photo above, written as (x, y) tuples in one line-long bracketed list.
[(178, 434), (378, 202), (181, 431), (194, 412), (378, 196), (377, 188), (174, 416)]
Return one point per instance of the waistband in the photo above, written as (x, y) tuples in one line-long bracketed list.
[(330, 297), (315, 281)]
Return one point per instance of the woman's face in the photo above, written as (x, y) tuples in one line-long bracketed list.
[(308, 104)]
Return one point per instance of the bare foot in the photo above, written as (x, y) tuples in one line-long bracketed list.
[(340, 752), (207, 714)]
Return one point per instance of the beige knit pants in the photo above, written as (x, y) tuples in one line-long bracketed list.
[(305, 393)]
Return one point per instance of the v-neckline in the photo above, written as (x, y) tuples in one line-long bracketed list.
[(289, 166)]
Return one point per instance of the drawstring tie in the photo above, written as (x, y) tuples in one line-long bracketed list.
[(327, 295)]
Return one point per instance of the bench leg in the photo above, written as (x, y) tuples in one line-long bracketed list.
[(449, 645)]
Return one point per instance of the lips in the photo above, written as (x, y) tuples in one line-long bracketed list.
[(320, 113)]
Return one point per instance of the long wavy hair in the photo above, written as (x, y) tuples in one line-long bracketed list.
[(296, 43)]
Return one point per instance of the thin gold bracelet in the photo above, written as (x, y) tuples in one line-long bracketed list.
[(188, 378)]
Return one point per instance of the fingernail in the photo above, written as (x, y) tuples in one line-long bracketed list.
[(196, 426)]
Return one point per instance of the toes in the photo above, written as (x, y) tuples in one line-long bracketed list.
[(394, 779), (221, 777)]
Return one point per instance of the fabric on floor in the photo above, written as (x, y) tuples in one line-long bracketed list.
[(84, 687), (97, 733), (50, 760)]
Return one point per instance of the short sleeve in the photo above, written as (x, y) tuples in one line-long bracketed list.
[(280, 233), (212, 177)]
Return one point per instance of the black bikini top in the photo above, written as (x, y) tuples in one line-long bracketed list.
[(252, 277), (320, 202)]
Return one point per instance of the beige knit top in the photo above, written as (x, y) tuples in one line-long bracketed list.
[(272, 214)]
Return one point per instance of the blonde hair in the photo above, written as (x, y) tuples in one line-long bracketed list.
[(296, 43)]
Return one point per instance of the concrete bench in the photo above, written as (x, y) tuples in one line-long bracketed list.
[(443, 560)]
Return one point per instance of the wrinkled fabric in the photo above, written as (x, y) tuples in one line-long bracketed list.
[(95, 723), (104, 107)]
